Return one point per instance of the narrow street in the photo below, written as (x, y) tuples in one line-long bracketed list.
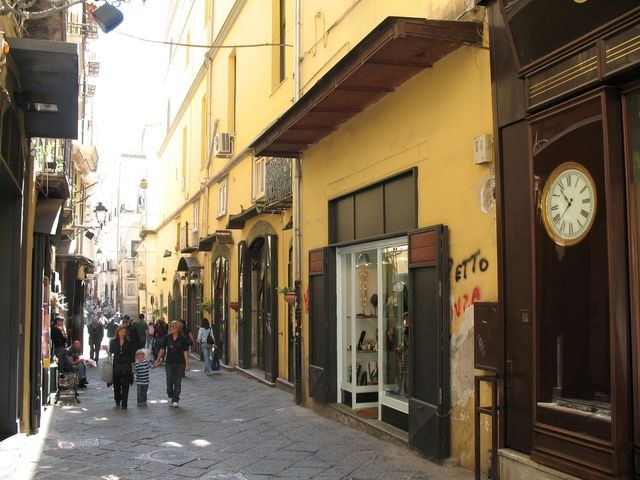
[(227, 427)]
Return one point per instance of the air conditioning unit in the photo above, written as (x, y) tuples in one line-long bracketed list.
[(223, 144)]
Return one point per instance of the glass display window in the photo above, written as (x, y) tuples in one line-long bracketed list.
[(573, 319), (395, 324), (373, 343)]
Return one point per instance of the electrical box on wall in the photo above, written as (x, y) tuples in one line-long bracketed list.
[(482, 149)]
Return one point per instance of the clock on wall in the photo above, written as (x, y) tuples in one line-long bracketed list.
[(569, 202)]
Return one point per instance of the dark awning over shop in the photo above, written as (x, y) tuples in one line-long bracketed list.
[(81, 260), (47, 215), (222, 237), (392, 53), (188, 263), (48, 78), (236, 222)]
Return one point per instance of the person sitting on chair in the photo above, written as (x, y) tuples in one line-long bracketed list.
[(75, 362)]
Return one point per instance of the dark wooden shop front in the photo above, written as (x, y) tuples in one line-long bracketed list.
[(566, 102)]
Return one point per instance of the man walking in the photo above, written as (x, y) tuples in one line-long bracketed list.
[(96, 334), (141, 327)]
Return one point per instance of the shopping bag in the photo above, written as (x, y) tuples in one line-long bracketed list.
[(106, 374)]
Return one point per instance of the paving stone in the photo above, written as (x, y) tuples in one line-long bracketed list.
[(227, 428), (301, 472)]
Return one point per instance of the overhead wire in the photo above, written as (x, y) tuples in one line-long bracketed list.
[(195, 45)]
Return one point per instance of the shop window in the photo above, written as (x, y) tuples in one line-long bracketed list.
[(373, 326), (572, 281)]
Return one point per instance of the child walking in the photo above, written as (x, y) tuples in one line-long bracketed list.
[(142, 368)]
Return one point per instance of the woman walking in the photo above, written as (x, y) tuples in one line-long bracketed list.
[(203, 339), (176, 347), (123, 351)]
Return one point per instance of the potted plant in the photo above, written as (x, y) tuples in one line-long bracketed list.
[(289, 294), (205, 305), (234, 306)]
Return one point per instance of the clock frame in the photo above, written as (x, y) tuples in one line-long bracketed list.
[(556, 176)]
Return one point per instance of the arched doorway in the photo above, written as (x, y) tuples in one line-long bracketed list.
[(258, 319), (175, 304), (220, 297)]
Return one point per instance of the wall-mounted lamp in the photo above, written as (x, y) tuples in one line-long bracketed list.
[(194, 278), (101, 214)]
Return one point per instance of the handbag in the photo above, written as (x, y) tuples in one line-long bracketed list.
[(106, 374), (210, 339)]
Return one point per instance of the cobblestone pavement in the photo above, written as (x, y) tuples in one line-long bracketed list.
[(227, 427)]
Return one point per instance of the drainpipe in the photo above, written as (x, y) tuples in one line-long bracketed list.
[(297, 237)]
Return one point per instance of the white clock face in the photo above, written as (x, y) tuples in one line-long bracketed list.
[(569, 203)]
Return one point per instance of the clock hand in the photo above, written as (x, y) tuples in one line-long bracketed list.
[(569, 202), (565, 197)]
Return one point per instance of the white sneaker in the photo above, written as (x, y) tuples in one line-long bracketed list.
[(175, 405)]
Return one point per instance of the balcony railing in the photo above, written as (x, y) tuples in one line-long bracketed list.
[(188, 239), (277, 190), (93, 69), (90, 30), (51, 156)]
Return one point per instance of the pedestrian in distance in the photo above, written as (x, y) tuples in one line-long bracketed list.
[(160, 332), (59, 339), (142, 367), (96, 334), (123, 351), (132, 332), (205, 339), (176, 348), (150, 337), (141, 327), (111, 328)]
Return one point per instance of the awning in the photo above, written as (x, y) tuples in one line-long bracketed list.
[(188, 263), (392, 53), (47, 215), (81, 260), (48, 94), (236, 222), (222, 237)]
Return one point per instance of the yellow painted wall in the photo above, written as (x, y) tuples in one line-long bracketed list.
[(331, 28), (429, 123)]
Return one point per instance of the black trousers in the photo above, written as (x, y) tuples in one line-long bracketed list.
[(94, 350), (121, 383)]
